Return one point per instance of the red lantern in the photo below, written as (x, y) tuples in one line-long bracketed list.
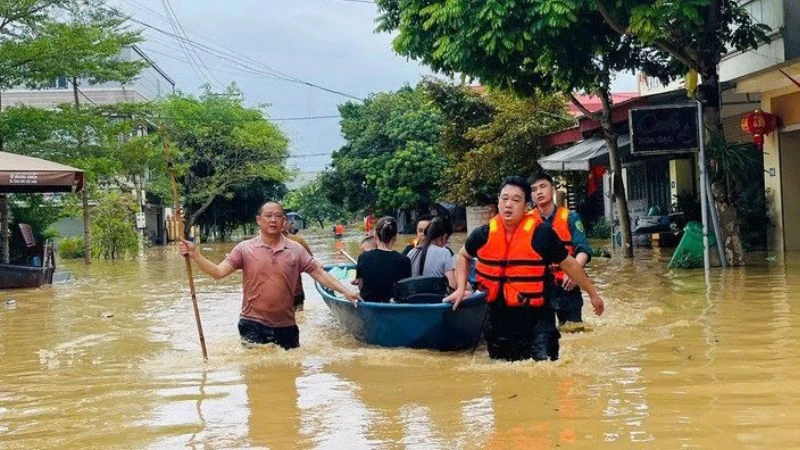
[(758, 123)]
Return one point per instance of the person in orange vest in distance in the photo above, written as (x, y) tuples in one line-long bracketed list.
[(338, 230), (369, 222), (513, 252), (564, 294)]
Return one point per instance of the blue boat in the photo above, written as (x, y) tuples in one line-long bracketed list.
[(434, 326)]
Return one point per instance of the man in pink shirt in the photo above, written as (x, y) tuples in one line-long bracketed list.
[(271, 265)]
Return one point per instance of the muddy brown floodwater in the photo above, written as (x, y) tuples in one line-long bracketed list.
[(110, 360)]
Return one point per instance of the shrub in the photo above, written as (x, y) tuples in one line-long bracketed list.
[(114, 226), (71, 247), (601, 229)]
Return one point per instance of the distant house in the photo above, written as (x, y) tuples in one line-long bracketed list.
[(151, 84)]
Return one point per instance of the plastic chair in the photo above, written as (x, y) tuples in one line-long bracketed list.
[(420, 290)]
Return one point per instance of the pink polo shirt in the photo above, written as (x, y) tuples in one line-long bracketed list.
[(269, 278)]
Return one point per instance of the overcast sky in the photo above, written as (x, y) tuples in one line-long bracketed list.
[(330, 43)]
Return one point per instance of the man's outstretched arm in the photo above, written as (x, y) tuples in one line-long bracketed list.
[(215, 271)]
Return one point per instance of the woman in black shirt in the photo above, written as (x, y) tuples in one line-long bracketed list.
[(379, 269)]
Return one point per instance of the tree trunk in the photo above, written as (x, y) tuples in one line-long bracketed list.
[(620, 199), (728, 214), (87, 232), (75, 93), (4, 235)]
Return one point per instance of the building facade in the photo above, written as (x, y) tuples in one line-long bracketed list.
[(149, 85), (767, 78)]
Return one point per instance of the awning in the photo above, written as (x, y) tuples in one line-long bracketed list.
[(20, 173), (582, 155)]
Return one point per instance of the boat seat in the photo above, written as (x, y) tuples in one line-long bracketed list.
[(420, 290), (27, 235), (34, 251)]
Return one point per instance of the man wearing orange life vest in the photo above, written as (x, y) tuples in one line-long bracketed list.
[(513, 252), (564, 294), (338, 230)]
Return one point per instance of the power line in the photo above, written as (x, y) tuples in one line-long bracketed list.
[(309, 155), (232, 70), (221, 55), (86, 96), (193, 54), (289, 119), (192, 64), (229, 50)]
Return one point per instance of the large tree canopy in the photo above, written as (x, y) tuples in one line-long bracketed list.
[(391, 159), (489, 136), (221, 146), (532, 48), (567, 45)]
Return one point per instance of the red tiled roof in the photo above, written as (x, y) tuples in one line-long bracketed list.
[(593, 104), (621, 103)]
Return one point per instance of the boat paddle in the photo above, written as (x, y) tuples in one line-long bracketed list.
[(177, 213)]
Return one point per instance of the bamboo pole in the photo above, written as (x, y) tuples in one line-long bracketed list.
[(180, 236), (346, 255)]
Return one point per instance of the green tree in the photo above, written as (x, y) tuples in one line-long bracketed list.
[(237, 209), (530, 48), (310, 201), (83, 43), (219, 145), (113, 226), (18, 19), (696, 34), (391, 158), (83, 138), (19, 23), (497, 130)]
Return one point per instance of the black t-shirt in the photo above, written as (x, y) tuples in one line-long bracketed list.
[(379, 270), (545, 242)]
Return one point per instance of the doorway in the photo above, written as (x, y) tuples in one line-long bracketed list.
[(790, 188)]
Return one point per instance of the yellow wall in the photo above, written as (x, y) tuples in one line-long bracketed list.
[(790, 189), (787, 107), (785, 103), (680, 176)]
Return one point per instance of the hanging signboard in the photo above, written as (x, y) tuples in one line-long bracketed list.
[(664, 129)]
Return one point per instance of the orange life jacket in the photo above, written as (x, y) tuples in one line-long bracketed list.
[(560, 225), (339, 229), (512, 267)]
